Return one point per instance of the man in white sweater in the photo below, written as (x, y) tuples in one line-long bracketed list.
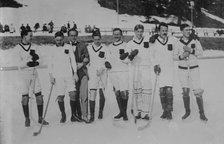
[(28, 60), (162, 51), (119, 73), (186, 52), (61, 64)]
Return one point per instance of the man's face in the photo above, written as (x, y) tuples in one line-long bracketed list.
[(139, 33), (186, 32), (59, 41), (73, 36), (117, 35), (163, 32), (28, 37), (97, 40)]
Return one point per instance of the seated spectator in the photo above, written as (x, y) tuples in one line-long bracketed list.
[(64, 29), (1, 28), (22, 28), (36, 26), (28, 27), (6, 28), (44, 28), (12, 28)]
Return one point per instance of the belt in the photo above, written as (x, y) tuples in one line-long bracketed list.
[(191, 67)]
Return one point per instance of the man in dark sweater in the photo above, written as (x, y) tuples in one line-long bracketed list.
[(82, 59)]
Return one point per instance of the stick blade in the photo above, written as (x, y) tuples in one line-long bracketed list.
[(36, 133)]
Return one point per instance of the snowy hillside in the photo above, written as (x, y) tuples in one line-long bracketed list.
[(83, 12)]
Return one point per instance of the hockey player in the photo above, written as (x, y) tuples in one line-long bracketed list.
[(97, 73), (186, 51), (162, 46), (119, 73), (138, 54), (61, 65), (28, 58), (82, 59)]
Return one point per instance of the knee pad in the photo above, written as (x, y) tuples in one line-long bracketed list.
[(60, 98), (162, 91), (124, 95), (39, 100), (198, 92), (117, 93), (186, 92), (72, 95), (169, 92), (25, 99), (92, 95)]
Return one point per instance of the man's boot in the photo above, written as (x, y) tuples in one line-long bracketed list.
[(92, 111), (169, 107), (73, 108), (124, 105), (62, 109), (102, 103), (40, 114), (163, 100), (186, 100), (118, 98), (201, 108), (26, 114)]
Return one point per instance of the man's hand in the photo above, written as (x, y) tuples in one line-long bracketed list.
[(79, 65), (52, 79), (157, 69), (185, 55), (75, 77), (85, 60), (187, 49)]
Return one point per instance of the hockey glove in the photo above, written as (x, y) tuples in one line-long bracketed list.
[(121, 51), (32, 63), (153, 38), (146, 45), (157, 69), (35, 56), (193, 45), (124, 56), (66, 51), (108, 65), (101, 54), (133, 54), (170, 47), (193, 36)]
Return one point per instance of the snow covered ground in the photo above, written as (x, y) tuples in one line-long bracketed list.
[(103, 131)]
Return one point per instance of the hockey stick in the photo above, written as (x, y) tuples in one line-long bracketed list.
[(14, 68), (134, 92), (151, 108), (45, 112)]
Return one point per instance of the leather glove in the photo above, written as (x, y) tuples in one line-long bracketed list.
[(108, 65), (157, 69), (153, 38), (133, 54), (32, 63)]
